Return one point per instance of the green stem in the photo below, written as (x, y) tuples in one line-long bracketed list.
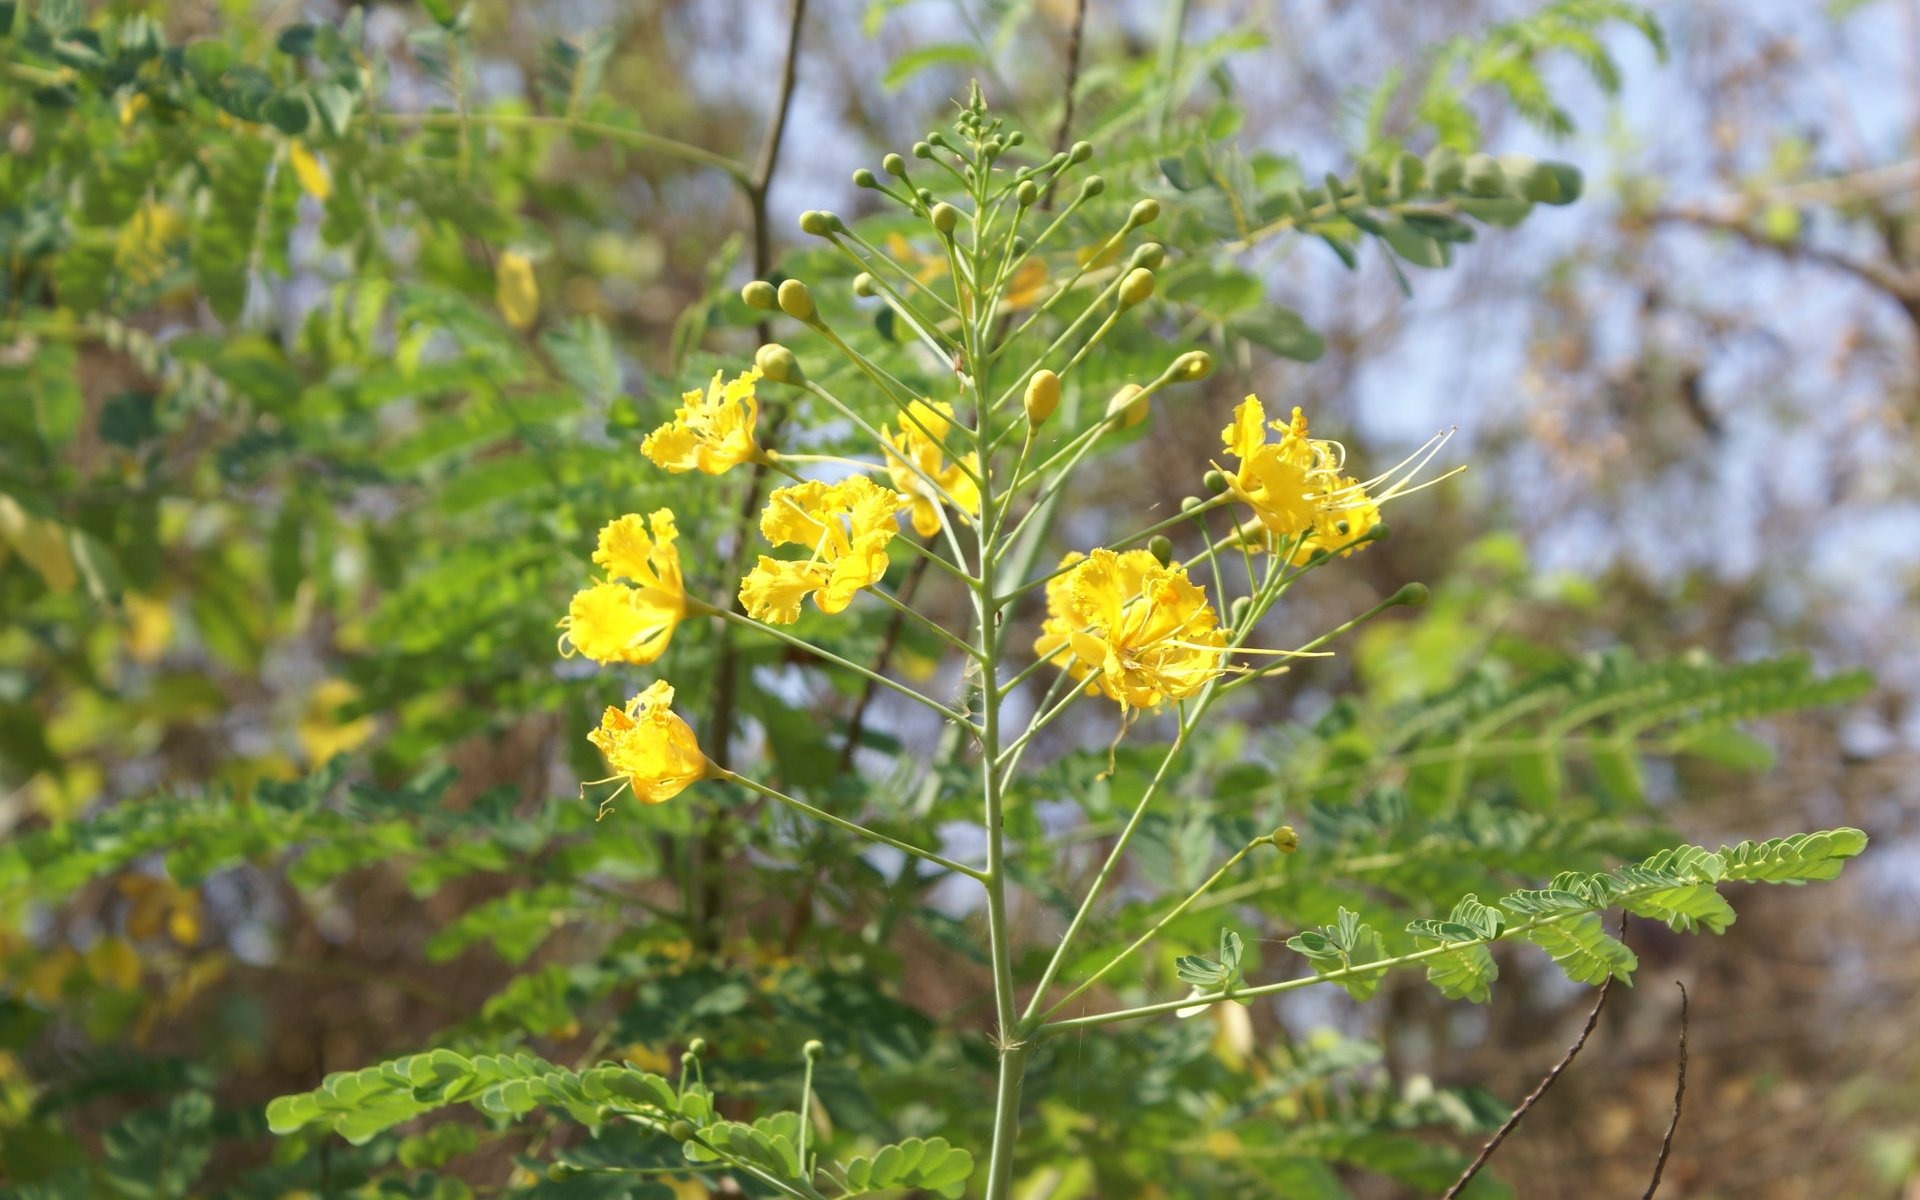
[(853, 827), (781, 635), (639, 139)]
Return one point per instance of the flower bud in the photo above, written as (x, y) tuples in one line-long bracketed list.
[(1215, 481), (818, 223), (777, 363), (863, 285), (1407, 175), (1192, 367), (1145, 212), (813, 1049), (864, 178), (944, 216), (697, 1047), (1043, 395), (921, 150), (1149, 255), (682, 1131), (894, 165), (1412, 595), (1027, 193), (924, 196), (759, 294), (1483, 176), (1015, 137), (1019, 246), (1080, 152), (1189, 503), (1239, 611), (1136, 288), (796, 301), (1092, 187), (1128, 406), (1161, 547), (1285, 839)]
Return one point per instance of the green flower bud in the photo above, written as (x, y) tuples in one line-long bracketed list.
[(1093, 186), (1285, 839), (894, 165), (813, 1049), (1128, 406), (924, 196), (1407, 175), (760, 294), (1016, 138), (1192, 367), (1215, 482), (777, 363), (1567, 180), (1149, 255), (815, 222), (1043, 395), (1080, 152), (1239, 611), (1027, 193), (697, 1047), (1019, 246), (1145, 212), (864, 178), (1161, 547), (921, 150), (939, 139), (944, 216), (796, 301), (1444, 170), (1378, 533), (682, 1131), (1411, 595), (1483, 176), (560, 1172), (1189, 503), (1136, 288), (863, 285)]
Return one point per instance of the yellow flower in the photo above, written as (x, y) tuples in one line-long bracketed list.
[(709, 432), (310, 171), (632, 622), (515, 290), (1298, 487), (1147, 628), (846, 526), (923, 427), (649, 747), (144, 247)]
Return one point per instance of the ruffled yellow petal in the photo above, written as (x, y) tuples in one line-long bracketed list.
[(711, 431), (845, 527), (914, 457), (650, 747), (1146, 628), (773, 590)]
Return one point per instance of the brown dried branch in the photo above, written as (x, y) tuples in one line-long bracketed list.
[(1679, 1095)]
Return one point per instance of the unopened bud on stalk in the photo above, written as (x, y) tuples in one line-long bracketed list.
[(697, 1047), (924, 196), (1136, 287), (759, 294), (1128, 406), (1379, 533), (1192, 367), (777, 363), (1189, 503), (1027, 193), (1145, 212), (945, 216), (938, 139), (813, 1049), (682, 1131), (796, 301), (1161, 547), (863, 285), (1080, 152), (1043, 395), (1015, 137), (1483, 176), (818, 223), (1019, 246), (1149, 255), (1215, 481), (921, 150), (1412, 595), (1092, 187), (894, 165), (1239, 611), (864, 178), (1285, 839)]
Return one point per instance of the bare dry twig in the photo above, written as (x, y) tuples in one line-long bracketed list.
[(1679, 1095)]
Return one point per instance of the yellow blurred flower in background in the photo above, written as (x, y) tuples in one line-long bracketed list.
[(710, 432), (923, 427)]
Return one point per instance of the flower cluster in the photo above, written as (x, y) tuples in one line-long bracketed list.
[(845, 528), (630, 622)]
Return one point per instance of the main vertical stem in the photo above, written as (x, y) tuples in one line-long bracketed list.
[(1008, 1041)]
